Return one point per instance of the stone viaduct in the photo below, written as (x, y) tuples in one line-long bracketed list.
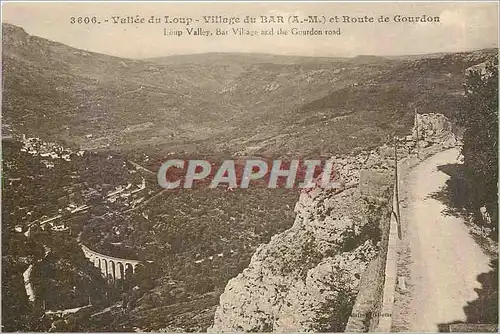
[(110, 266)]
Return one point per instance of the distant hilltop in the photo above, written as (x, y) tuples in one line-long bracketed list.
[(238, 104)]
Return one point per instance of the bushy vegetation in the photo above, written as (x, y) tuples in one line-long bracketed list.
[(236, 106), (219, 227), (480, 140)]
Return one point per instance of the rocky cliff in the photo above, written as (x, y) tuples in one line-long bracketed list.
[(306, 278), (433, 128)]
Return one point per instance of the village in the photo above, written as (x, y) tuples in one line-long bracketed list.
[(76, 198)]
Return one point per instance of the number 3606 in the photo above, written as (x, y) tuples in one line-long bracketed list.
[(83, 20)]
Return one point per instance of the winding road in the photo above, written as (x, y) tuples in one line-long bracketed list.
[(445, 259)]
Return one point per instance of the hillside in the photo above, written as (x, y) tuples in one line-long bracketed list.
[(240, 104), (307, 278), (115, 114), (67, 94)]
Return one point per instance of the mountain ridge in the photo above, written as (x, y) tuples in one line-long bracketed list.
[(242, 105)]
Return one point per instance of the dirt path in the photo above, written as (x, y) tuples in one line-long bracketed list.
[(445, 260)]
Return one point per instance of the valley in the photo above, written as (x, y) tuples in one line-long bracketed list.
[(86, 130)]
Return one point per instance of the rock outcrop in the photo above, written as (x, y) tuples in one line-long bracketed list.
[(433, 128), (306, 278)]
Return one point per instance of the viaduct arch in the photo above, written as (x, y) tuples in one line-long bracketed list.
[(115, 267)]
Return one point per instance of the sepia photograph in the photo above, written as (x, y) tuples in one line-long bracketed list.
[(249, 166)]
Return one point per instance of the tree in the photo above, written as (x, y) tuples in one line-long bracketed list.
[(480, 140)]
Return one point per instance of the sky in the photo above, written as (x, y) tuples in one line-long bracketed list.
[(462, 26)]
